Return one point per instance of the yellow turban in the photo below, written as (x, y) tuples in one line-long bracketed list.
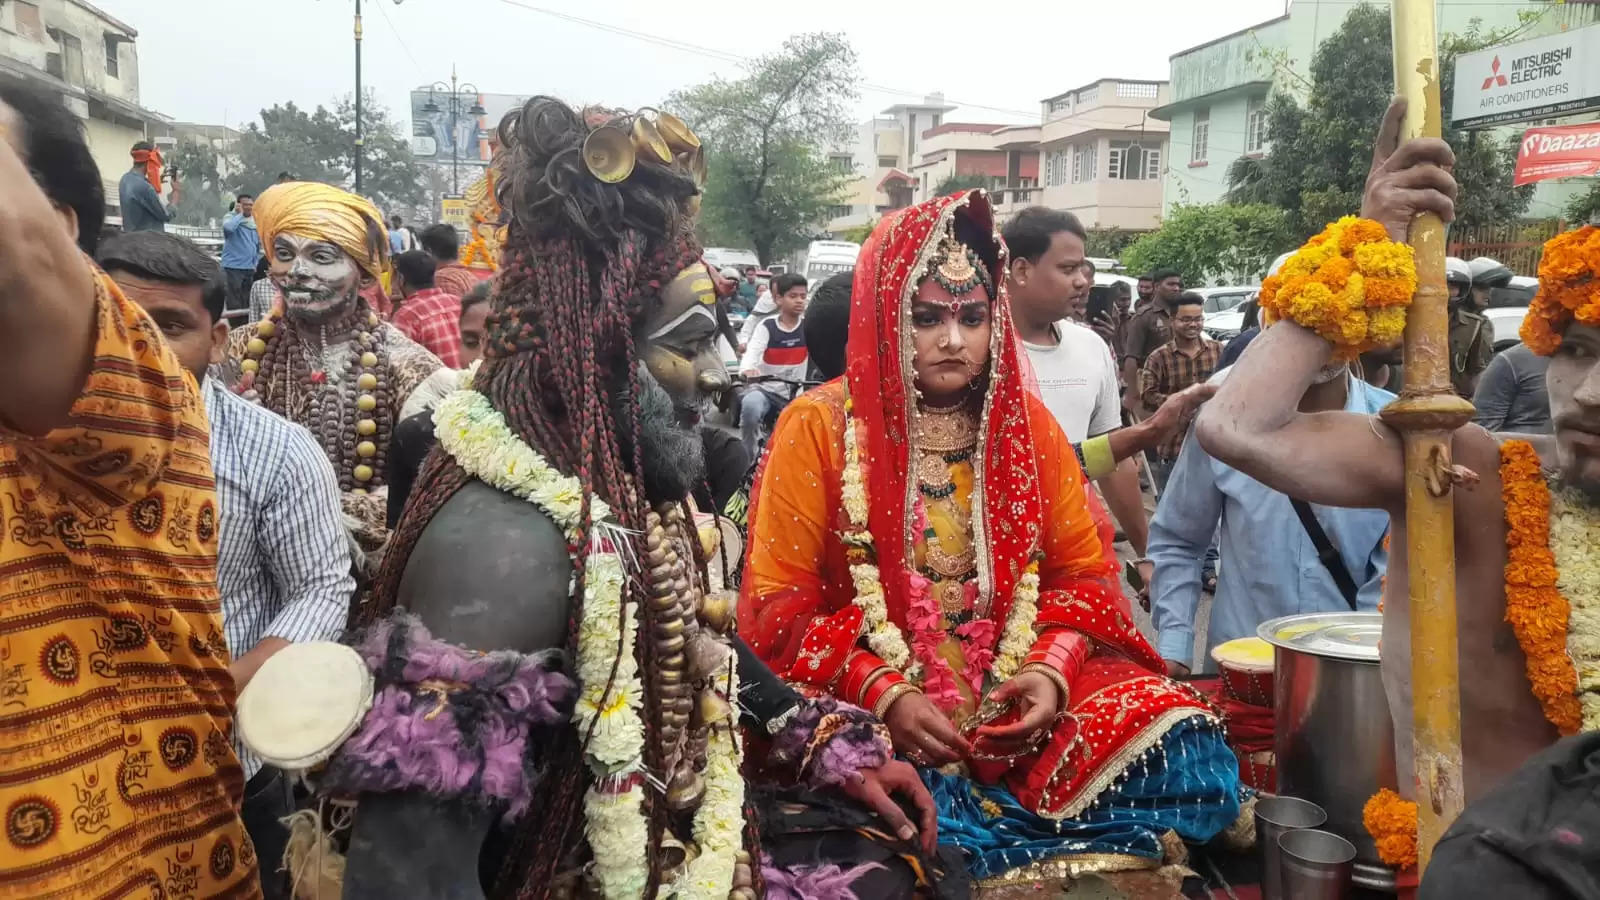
[(325, 213)]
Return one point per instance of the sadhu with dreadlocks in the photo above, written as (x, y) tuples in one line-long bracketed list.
[(595, 749)]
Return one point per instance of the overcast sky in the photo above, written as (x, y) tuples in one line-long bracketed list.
[(220, 61)]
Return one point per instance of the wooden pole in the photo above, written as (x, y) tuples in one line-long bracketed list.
[(1426, 414)]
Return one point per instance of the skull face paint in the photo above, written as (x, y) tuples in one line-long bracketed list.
[(319, 281), (679, 342)]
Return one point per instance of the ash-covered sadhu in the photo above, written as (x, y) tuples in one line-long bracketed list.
[(322, 358)]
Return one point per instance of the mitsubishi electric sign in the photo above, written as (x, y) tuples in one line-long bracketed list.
[(1536, 79)]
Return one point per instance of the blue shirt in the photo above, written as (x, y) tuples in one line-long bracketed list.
[(1269, 566), (283, 554), (241, 243), (141, 206)]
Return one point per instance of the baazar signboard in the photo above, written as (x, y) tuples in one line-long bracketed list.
[(1541, 78), (1561, 152)]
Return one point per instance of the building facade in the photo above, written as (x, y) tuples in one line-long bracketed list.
[(91, 60), (1220, 88), (1102, 154)]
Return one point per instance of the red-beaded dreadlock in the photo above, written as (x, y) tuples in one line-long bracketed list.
[(585, 262)]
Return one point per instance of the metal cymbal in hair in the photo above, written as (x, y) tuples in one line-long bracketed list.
[(648, 143), (609, 154), (676, 132)]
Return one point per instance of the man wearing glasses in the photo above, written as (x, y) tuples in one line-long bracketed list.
[(1189, 358)]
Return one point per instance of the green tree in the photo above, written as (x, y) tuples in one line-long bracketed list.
[(1320, 153), (317, 146), (954, 183), (1213, 241), (1585, 207), (858, 234), (200, 195), (1109, 243), (768, 134)]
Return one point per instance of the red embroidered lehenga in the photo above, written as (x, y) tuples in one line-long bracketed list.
[(966, 541)]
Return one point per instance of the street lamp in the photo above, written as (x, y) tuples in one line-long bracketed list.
[(360, 142), (455, 88)]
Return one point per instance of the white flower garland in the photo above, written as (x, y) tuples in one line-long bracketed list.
[(469, 428), (719, 822), (476, 435), (1574, 535), (885, 637)]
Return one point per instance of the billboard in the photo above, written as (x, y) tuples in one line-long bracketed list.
[(1534, 79), (1562, 152), (432, 138)]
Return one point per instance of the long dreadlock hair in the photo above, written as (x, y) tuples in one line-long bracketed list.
[(585, 261)]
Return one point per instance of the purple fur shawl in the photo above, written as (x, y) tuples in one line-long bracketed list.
[(850, 740), (450, 721)]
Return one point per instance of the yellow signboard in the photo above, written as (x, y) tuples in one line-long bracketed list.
[(456, 211)]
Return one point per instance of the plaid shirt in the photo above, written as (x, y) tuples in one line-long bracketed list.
[(1169, 370), (432, 318)]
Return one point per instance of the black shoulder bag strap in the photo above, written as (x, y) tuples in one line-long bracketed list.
[(1326, 552)]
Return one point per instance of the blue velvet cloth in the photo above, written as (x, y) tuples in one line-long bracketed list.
[(1190, 785)]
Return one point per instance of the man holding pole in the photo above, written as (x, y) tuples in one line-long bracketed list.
[(1346, 459)]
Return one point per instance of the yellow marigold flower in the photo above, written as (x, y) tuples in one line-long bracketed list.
[(1386, 326)]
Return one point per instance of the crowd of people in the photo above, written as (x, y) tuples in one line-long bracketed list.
[(577, 597)]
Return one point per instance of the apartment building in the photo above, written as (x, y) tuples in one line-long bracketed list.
[(1103, 154), (91, 60), (1219, 89)]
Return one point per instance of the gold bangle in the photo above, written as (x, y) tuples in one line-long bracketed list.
[(1055, 676), (881, 708)]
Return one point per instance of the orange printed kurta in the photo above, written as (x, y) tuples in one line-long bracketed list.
[(117, 775)]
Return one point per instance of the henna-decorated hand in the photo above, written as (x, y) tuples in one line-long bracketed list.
[(924, 734)]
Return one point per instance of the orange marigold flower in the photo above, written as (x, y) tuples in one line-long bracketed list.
[(1336, 271), (1350, 284), (1392, 822), (1361, 231), (1537, 611)]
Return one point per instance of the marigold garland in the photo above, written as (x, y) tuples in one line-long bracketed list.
[(1350, 284), (1537, 611), (477, 250), (1569, 289), (1392, 822)]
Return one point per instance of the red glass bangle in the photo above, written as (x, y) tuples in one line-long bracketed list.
[(857, 674), (881, 686), (1062, 649)]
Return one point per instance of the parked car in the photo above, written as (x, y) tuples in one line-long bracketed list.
[(1518, 293), (1225, 325), (1222, 299), (1507, 320)]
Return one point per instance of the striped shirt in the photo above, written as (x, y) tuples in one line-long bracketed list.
[(263, 294), (283, 558)]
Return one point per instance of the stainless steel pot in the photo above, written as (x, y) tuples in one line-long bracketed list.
[(1334, 740)]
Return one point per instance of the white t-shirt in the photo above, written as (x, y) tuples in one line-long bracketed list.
[(1078, 382), (777, 351)]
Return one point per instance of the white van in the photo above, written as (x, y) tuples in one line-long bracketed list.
[(824, 259), (722, 257)]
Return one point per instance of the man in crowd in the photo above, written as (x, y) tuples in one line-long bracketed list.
[(1147, 289), (139, 192), (1148, 330), (1076, 375), (449, 275), (473, 321), (427, 314), (116, 773), (325, 360), (241, 250), (1511, 393), (1112, 326), (283, 559), (777, 349), (1471, 333), (1272, 543), (1188, 359), (400, 237), (1347, 460)]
